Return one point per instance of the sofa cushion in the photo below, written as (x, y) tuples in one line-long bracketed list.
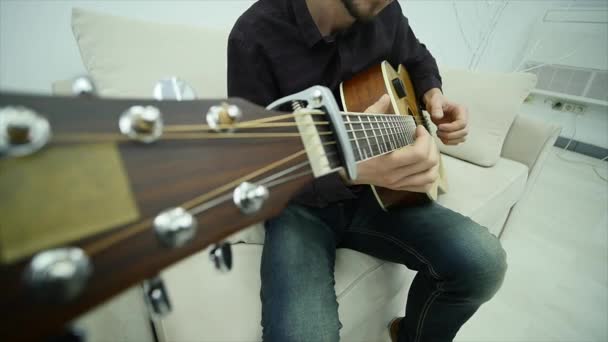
[(484, 194), (126, 57), (369, 291), (493, 100)]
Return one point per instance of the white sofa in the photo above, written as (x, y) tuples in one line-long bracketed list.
[(208, 306)]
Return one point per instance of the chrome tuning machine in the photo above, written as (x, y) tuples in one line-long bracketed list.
[(144, 124), (221, 257), (22, 131), (222, 118)]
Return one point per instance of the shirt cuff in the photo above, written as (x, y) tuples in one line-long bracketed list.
[(424, 85)]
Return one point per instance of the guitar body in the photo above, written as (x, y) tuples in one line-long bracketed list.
[(363, 90)]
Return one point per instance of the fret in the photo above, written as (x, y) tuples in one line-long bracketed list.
[(398, 133), (385, 145), (402, 120), (391, 123), (375, 136), (369, 145), (411, 129), (388, 136), (408, 134), (355, 136)]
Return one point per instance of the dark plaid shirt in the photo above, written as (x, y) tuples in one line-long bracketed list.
[(275, 49)]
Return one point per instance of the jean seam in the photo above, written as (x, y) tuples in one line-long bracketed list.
[(425, 311), (403, 246)]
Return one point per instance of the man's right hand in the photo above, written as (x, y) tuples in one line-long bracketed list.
[(412, 168)]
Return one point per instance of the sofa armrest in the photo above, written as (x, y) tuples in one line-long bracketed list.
[(528, 142)]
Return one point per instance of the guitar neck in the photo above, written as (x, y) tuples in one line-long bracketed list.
[(372, 135)]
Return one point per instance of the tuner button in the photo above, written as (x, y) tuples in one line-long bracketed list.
[(83, 86), (223, 114), (144, 124), (157, 297), (221, 257), (173, 88), (58, 275), (317, 98), (22, 131), (175, 227), (250, 197)]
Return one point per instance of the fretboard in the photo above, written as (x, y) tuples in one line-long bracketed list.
[(375, 134)]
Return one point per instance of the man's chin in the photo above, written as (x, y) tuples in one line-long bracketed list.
[(356, 13)]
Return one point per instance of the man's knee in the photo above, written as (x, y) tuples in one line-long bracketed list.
[(483, 268), (307, 316), (477, 264)]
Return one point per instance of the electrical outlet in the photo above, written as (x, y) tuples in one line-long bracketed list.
[(564, 106)]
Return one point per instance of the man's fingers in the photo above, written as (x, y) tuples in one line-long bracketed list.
[(452, 135), (398, 176), (411, 154), (456, 125), (435, 108), (381, 106), (453, 141), (420, 179)]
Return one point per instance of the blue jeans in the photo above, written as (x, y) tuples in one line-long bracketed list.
[(460, 266)]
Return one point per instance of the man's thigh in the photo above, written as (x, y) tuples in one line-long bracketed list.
[(424, 237), (298, 297)]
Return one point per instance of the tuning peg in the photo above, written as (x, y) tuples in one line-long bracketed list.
[(224, 114), (22, 131), (58, 275), (173, 88), (221, 257), (144, 124), (250, 197), (175, 227), (157, 297), (83, 86)]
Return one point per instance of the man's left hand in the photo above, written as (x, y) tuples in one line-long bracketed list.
[(451, 118)]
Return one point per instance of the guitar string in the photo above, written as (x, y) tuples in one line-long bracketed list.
[(115, 137), (127, 232), (255, 123), (100, 245), (269, 182)]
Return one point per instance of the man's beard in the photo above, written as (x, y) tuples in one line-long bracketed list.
[(353, 11)]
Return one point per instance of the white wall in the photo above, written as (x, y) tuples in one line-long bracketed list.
[(37, 46)]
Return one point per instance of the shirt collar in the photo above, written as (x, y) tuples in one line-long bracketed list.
[(306, 25)]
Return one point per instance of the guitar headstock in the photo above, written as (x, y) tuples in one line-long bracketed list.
[(132, 185)]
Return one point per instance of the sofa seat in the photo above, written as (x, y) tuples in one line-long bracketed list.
[(486, 194), (370, 292)]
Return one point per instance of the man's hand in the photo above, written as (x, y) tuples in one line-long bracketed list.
[(451, 118), (412, 168)]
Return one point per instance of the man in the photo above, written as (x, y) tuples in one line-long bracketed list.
[(279, 47)]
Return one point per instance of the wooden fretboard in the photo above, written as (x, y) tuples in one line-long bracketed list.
[(375, 134)]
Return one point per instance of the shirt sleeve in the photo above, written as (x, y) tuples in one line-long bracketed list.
[(417, 59), (249, 73)]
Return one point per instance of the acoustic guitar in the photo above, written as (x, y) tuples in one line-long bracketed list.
[(364, 90), (98, 195)]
